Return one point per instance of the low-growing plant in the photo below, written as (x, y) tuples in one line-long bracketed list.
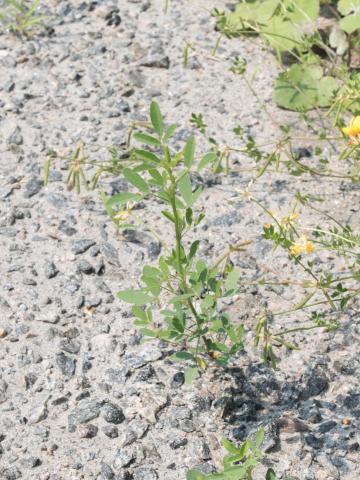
[(185, 288), (293, 30), (21, 16), (239, 463)]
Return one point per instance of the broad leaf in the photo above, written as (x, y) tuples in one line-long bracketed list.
[(190, 374), (189, 152), (209, 157), (303, 87), (195, 475), (156, 118), (185, 188), (270, 474), (181, 356), (232, 279), (135, 179), (147, 139), (121, 198), (229, 446), (136, 297)]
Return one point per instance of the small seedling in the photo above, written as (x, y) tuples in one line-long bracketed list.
[(21, 17)]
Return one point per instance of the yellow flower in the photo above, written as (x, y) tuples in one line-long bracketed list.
[(309, 247), (303, 246), (296, 249), (353, 130), (289, 220), (123, 215)]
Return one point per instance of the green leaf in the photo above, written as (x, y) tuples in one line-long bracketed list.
[(189, 152), (195, 475), (145, 155), (209, 157), (170, 132), (351, 23), (270, 474), (168, 215), (229, 446), (140, 313), (189, 216), (156, 177), (180, 298), (193, 249), (121, 198), (185, 188), (136, 297), (190, 374), (346, 7), (278, 22), (259, 437), (135, 179), (232, 279), (147, 139), (303, 87), (156, 118), (182, 356)]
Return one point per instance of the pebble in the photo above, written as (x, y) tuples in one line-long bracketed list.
[(112, 414), (3, 333), (85, 267), (123, 458), (32, 187), (86, 411), (16, 137), (50, 270), (178, 380), (66, 365), (87, 431), (110, 431), (81, 246)]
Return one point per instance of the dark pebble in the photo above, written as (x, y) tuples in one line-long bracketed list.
[(87, 431), (80, 246), (178, 380), (110, 431), (32, 187), (65, 364), (112, 414)]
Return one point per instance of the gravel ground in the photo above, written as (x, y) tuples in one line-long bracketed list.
[(80, 396)]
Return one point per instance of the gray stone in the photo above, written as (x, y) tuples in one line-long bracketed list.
[(80, 246), (32, 187), (110, 431), (156, 60), (178, 442), (10, 473), (178, 380), (110, 253), (145, 474), (87, 430), (85, 267), (64, 227), (107, 472), (58, 200), (65, 364), (30, 462), (70, 346), (15, 138), (128, 437), (154, 250), (87, 410), (123, 458), (50, 270), (112, 414)]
